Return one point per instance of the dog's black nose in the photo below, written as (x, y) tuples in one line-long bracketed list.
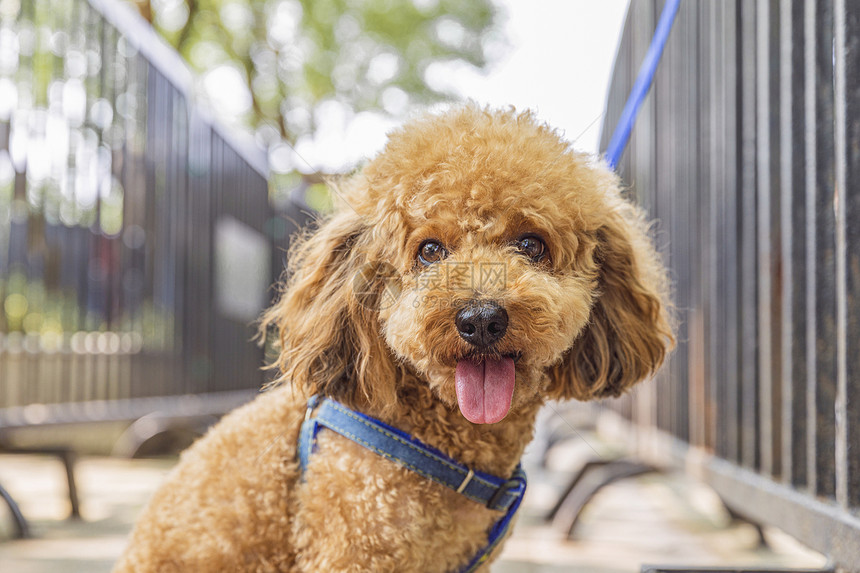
[(482, 323)]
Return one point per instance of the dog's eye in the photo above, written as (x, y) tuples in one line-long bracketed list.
[(431, 252), (531, 247)]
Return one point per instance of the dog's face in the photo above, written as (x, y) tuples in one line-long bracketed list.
[(496, 263), (495, 281)]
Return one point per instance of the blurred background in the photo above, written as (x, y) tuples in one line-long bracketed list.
[(156, 156)]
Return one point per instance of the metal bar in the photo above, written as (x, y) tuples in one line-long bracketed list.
[(810, 226), (794, 209), (730, 192), (708, 217), (663, 210), (850, 185), (825, 253), (841, 393), (785, 163), (778, 233), (695, 129), (682, 149), (750, 337), (721, 318), (764, 233)]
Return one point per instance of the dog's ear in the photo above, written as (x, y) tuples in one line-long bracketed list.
[(630, 329), (326, 317)]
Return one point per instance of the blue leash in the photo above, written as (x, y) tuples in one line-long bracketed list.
[(642, 85), (393, 444)]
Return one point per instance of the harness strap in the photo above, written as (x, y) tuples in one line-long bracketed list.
[(401, 448)]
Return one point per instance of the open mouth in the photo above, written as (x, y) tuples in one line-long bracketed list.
[(485, 385)]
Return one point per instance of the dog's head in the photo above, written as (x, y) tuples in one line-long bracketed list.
[(484, 255)]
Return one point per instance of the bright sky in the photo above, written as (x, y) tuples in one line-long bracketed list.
[(557, 62)]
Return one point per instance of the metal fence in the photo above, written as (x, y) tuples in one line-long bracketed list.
[(747, 152), (137, 239)]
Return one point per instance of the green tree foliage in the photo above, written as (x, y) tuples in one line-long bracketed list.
[(296, 54)]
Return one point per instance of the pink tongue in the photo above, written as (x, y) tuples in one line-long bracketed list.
[(485, 389)]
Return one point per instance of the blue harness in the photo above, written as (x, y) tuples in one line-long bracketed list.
[(399, 447)]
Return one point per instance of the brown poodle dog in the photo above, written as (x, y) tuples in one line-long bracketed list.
[(476, 268)]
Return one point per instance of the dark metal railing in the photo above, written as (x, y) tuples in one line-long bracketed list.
[(137, 240), (746, 153)]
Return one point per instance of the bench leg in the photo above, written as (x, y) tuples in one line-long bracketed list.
[(585, 485), (68, 457), (21, 528)]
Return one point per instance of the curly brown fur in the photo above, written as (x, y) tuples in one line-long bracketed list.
[(364, 320)]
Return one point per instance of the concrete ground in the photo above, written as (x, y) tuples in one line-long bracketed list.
[(653, 519)]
